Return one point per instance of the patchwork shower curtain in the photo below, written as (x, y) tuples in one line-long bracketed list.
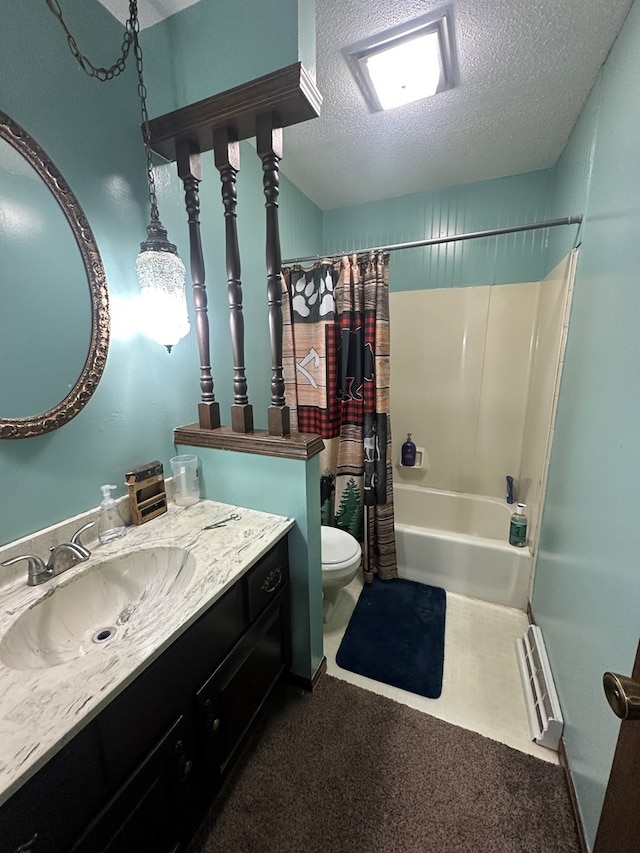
[(336, 365)]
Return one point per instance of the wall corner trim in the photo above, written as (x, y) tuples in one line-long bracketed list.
[(563, 759)]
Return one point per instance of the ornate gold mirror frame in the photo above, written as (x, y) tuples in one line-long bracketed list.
[(77, 398)]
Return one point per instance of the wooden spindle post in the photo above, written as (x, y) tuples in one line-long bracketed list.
[(190, 172), (269, 146), (226, 152)]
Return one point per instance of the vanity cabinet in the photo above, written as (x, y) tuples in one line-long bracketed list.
[(141, 775), (233, 695), (44, 815), (156, 806)]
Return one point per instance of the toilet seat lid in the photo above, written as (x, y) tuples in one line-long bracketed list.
[(337, 547)]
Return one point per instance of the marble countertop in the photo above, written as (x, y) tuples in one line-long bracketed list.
[(41, 709)]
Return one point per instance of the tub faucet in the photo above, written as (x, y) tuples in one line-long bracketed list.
[(61, 557), (510, 495)]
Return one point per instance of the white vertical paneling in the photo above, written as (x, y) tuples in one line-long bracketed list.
[(437, 345), (474, 372), (505, 386), (550, 341)]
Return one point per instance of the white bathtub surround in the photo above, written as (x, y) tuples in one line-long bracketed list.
[(41, 709), (460, 542), (459, 380), (549, 344), (475, 374)]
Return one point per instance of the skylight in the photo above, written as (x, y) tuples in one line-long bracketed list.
[(405, 64)]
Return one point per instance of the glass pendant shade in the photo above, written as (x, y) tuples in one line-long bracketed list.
[(161, 277)]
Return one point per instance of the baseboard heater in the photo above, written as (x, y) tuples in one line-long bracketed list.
[(543, 707)]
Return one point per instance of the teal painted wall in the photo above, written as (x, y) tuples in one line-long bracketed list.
[(572, 179), (470, 207), (287, 487), (215, 45), (587, 585), (91, 132)]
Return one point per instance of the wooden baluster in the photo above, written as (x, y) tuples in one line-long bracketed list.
[(226, 152), (190, 172), (269, 146)]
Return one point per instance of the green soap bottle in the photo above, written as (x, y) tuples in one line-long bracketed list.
[(518, 527)]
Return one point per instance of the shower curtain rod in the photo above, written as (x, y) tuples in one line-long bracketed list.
[(454, 238)]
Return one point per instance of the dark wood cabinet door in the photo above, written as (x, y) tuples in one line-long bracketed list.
[(51, 809), (619, 827), (157, 807), (231, 698), (132, 723), (211, 734)]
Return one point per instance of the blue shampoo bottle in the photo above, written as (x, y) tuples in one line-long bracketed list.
[(408, 452)]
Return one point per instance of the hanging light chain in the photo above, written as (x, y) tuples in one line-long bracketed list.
[(102, 74), (142, 95), (131, 32)]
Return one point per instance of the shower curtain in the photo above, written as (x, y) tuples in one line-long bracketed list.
[(336, 365)]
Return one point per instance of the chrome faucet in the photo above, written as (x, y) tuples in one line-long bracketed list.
[(61, 557)]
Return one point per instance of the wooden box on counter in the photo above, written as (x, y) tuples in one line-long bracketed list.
[(147, 495)]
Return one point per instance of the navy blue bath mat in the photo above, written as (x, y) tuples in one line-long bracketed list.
[(396, 635)]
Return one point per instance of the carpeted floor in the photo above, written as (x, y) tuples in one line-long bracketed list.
[(348, 771)]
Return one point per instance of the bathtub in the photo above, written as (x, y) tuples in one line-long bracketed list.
[(460, 542)]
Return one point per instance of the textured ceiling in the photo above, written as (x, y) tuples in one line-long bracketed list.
[(526, 68), (150, 12)]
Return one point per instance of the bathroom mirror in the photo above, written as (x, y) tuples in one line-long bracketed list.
[(54, 311)]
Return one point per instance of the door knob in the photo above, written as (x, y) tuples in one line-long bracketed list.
[(623, 694)]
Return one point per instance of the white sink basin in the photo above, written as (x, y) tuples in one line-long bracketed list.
[(125, 596)]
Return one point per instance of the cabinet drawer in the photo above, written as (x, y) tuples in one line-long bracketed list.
[(266, 578)]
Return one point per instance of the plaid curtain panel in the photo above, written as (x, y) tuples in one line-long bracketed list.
[(336, 367)]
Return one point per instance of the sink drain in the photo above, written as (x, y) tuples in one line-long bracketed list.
[(103, 635)]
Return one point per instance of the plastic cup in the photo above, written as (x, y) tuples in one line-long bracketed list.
[(186, 486)]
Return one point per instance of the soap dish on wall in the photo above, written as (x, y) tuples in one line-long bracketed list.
[(421, 461)]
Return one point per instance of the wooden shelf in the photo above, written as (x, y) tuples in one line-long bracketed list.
[(297, 445), (289, 95)]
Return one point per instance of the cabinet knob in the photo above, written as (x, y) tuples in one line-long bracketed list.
[(272, 581), (185, 765), (211, 722)]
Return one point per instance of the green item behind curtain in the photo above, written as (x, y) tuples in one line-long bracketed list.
[(336, 367)]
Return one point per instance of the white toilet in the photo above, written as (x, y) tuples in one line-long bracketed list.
[(340, 563)]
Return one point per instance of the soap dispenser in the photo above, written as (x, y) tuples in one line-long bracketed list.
[(408, 452), (110, 523)]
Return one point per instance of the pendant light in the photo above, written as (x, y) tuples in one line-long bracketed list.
[(160, 272)]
